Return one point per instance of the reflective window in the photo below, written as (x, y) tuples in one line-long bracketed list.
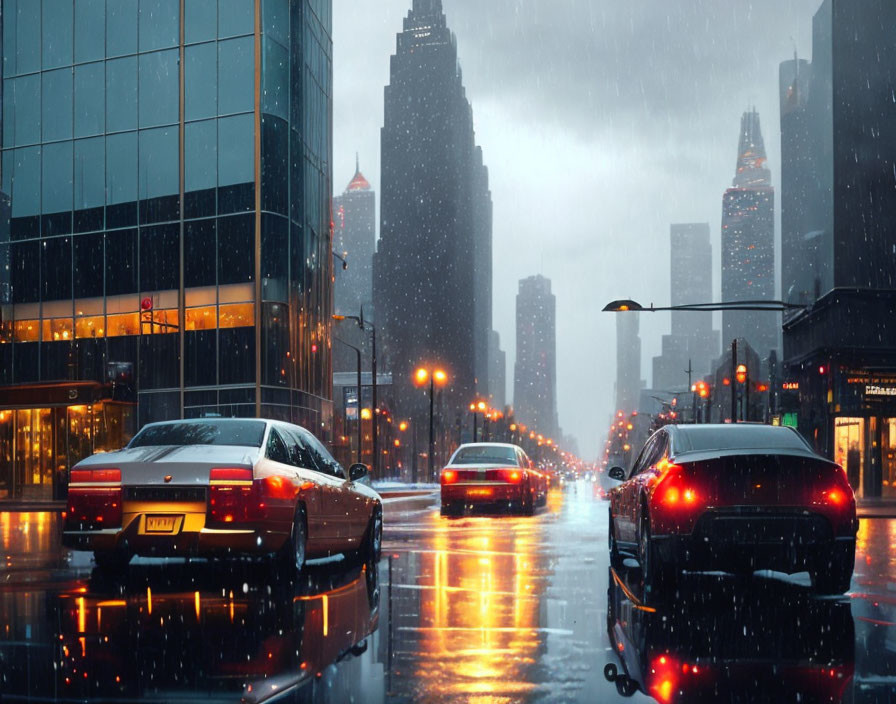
[(236, 61), (56, 178), (121, 263), (56, 34), (275, 73), (159, 26), (56, 101), (90, 99), (200, 355), (57, 329), (200, 155), (274, 166), (199, 253), (90, 30), (121, 94), (25, 285), (236, 243), (90, 172), (200, 20), (243, 433), (200, 76), (237, 361), (275, 15), (121, 168), (237, 315), (56, 269), (27, 331), (123, 324), (87, 267), (21, 180), (121, 27), (158, 162), (236, 150), (164, 372), (158, 88), (21, 37), (276, 449), (21, 111), (235, 17), (159, 256), (92, 326)]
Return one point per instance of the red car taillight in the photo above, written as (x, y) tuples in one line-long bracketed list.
[(94, 499), (513, 476), (232, 496), (449, 476)]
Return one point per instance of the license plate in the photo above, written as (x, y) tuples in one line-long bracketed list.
[(479, 492), (161, 524)]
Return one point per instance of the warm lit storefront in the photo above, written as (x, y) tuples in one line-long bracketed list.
[(46, 428), (841, 363)]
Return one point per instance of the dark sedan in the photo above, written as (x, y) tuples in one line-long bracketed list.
[(737, 498)]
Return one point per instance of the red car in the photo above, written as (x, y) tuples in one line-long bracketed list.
[(733, 497), (492, 474)]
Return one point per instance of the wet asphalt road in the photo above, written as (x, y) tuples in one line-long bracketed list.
[(479, 609)]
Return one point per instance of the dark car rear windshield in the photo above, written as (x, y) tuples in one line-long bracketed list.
[(485, 455), (245, 433), (739, 437)]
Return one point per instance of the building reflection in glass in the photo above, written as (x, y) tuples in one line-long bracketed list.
[(194, 630), (720, 641)]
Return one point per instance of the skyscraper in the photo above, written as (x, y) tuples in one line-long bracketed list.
[(497, 372), (432, 266), (535, 375), (354, 237), (692, 341), (840, 351), (170, 241), (628, 362), (748, 242)]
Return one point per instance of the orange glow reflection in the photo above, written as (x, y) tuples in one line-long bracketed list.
[(479, 616)]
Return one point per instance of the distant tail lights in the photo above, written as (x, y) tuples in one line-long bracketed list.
[(94, 498)]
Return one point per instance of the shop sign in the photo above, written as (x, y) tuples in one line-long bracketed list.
[(791, 386), (875, 390)]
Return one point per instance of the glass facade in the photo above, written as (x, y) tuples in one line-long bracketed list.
[(168, 197)]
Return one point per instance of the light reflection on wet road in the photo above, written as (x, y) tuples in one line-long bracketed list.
[(478, 609)]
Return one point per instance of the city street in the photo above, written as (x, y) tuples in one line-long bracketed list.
[(473, 609)]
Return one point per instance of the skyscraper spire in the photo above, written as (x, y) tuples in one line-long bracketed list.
[(751, 170)]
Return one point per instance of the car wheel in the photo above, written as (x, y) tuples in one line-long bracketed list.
[(373, 538), (615, 557), (113, 561), (292, 554), (834, 574), (655, 576)]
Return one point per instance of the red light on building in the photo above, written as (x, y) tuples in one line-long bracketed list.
[(146, 304)]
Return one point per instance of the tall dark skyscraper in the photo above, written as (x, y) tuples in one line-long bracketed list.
[(170, 236), (354, 236), (432, 278), (535, 375), (840, 351), (693, 341), (748, 242)]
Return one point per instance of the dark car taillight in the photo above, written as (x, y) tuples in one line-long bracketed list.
[(94, 499), (232, 496), (677, 499), (509, 475)]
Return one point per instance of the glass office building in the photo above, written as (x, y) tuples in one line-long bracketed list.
[(166, 165)]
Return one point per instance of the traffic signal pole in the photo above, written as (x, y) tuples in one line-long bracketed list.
[(733, 382)]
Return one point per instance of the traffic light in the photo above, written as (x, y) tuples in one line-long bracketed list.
[(741, 373)]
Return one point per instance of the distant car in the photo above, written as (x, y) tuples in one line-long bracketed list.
[(221, 487), (492, 474), (736, 498)]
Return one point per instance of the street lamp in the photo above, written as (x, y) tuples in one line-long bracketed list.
[(367, 325), (628, 305), (434, 376), (478, 407), (358, 352)]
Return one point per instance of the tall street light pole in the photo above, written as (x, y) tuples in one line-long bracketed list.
[(367, 325), (434, 376), (360, 435)]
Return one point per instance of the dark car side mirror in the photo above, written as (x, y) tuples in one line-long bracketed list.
[(357, 471), (617, 473)]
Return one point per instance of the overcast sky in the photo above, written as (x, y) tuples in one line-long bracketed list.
[(601, 122)]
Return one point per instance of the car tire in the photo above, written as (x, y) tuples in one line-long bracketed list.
[(833, 574), (656, 577), (373, 538), (615, 556), (114, 561), (292, 554)]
